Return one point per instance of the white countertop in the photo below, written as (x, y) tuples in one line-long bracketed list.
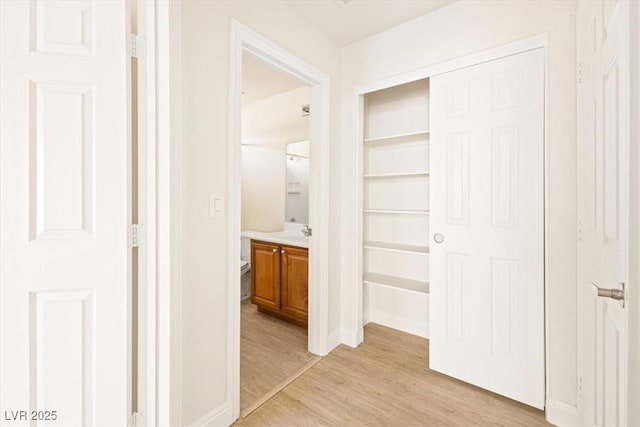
[(281, 237)]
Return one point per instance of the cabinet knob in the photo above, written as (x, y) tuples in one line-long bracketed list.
[(282, 251), (275, 250)]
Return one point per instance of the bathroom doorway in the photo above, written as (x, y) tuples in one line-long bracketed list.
[(274, 217), (285, 256)]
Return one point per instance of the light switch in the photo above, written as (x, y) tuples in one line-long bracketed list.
[(216, 205)]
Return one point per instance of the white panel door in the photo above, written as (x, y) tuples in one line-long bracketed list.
[(64, 181), (603, 175), (487, 219)]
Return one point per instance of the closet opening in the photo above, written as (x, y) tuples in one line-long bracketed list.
[(452, 202), (396, 207)]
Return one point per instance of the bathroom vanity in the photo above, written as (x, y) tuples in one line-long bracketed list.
[(280, 276)]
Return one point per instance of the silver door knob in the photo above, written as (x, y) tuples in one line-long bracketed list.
[(616, 294), (438, 238)]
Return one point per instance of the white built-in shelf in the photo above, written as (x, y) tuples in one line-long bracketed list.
[(395, 175), (398, 139), (397, 282), (397, 247), (397, 211)]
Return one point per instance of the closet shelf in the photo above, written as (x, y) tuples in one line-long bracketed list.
[(395, 175), (397, 247), (397, 282), (397, 211), (398, 139)]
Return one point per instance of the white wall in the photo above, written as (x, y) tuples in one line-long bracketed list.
[(267, 127), (456, 30), (277, 120), (205, 97)]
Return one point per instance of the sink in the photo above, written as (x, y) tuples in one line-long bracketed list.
[(291, 236), (281, 237)]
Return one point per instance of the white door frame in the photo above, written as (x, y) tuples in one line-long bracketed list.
[(520, 46), (146, 202), (159, 176), (244, 39)]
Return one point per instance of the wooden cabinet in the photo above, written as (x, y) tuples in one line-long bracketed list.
[(265, 275), (280, 281)]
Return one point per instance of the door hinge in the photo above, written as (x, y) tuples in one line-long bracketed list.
[(579, 73), (135, 235), (580, 387), (579, 231), (136, 45), (135, 420)]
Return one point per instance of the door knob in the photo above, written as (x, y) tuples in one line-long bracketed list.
[(616, 294), (438, 238), (283, 251), (275, 250)]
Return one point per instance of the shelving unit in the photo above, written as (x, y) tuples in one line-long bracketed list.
[(396, 207), (397, 282), (398, 138), (392, 211), (395, 175), (397, 247)]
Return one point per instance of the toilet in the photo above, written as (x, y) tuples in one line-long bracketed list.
[(245, 269)]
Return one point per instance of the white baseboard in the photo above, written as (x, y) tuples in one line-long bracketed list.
[(560, 413), (349, 337), (366, 317), (220, 416), (404, 324), (334, 340)]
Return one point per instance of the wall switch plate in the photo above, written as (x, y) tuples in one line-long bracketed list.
[(216, 205)]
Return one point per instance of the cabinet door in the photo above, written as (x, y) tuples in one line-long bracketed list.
[(295, 282), (265, 275)]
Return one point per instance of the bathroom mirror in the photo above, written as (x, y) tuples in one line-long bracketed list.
[(297, 183)]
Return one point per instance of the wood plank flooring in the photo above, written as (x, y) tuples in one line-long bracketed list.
[(271, 350), (386, 382)]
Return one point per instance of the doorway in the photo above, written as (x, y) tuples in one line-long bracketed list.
[(275, 157), (245, 41)]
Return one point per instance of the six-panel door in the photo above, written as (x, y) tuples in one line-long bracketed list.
[(294, 282), (64, 293), (487, 224), (603, 211), (265, 275)]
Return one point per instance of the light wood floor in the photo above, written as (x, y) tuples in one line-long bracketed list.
[(271, 350), (386, 381)]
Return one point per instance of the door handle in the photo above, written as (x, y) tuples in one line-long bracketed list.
[(616, 294), (438, 238), (275, 250)]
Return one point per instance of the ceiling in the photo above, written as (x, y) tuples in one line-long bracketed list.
[(359, 19), (344, 21), (261, 80)]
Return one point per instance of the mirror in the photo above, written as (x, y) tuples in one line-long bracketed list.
[(297, 185)]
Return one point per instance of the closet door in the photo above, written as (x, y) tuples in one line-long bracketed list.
[(65, 329), (487, 218)]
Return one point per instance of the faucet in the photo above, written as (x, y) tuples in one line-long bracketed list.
[(306, 230)]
